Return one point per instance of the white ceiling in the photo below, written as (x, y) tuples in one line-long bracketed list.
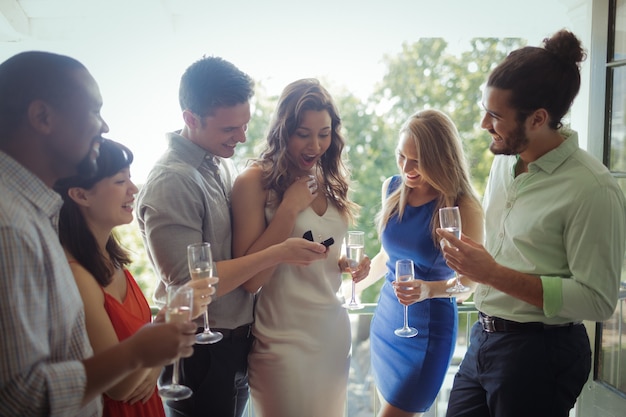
[(65, 19), (52, 20)]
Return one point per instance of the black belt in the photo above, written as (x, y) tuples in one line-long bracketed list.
[(492, 324), (241, 332)]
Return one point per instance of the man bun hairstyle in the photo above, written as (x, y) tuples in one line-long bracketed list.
[(547, 77)]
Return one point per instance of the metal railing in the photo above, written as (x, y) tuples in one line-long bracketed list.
[(362, 398)]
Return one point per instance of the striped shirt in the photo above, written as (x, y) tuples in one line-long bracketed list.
[(42, 321)]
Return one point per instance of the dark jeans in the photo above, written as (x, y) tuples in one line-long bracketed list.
[(521, 374), (218, 376)]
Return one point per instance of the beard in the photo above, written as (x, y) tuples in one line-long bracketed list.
[(88, 167), (514, 143)]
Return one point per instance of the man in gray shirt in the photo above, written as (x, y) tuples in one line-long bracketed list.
[(186, 199)]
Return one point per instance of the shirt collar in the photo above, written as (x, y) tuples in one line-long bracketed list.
[(195, 155), (553, 159), (31, 187)]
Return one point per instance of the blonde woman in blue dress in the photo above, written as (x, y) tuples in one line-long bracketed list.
[(409, 371), (299, 362)]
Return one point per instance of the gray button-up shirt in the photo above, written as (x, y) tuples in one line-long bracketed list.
[(186, 199)]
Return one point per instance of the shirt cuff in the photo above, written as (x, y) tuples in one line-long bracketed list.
[(66, 383), (552, 295)]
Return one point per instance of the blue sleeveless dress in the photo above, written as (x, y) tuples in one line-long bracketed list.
[(410, 371)]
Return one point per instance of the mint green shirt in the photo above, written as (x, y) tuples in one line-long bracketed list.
[(562, 221)]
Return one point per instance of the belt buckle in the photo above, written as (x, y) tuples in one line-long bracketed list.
[(488, 324)]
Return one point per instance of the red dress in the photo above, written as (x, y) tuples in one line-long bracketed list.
[(127, 318)]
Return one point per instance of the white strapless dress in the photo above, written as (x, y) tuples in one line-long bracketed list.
[(299, 363)]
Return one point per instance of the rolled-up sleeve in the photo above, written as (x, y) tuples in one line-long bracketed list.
[(35, 378), (594, 240)]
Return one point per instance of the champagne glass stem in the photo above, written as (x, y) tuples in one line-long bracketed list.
[(353, 298), (207, 329), (406, 317), (175, 372), (207, 336)]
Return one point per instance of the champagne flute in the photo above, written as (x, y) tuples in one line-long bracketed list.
[(178, 309), (201, 266), (450, 220), (405, 272), (355, 245)]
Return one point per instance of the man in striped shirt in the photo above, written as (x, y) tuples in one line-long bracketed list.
[(50, 128)]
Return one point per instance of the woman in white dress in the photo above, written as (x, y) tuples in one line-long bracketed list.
[(299, 362)]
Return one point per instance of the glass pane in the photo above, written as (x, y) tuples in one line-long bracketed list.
[(620, 31), (612, 357), (617, 121)]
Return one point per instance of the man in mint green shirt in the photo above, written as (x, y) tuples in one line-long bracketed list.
[(555, 238)]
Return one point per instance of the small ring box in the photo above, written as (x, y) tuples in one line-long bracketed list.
[(308, 235)]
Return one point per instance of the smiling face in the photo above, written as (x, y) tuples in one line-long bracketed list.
[(500, 120), (408, 162), (109, 203), (310, 140), (78, 127), (220, 132)]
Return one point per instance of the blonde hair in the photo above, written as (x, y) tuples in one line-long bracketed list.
[(442, 164)]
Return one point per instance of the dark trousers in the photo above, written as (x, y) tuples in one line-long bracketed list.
[(218, 376), (521, 374)]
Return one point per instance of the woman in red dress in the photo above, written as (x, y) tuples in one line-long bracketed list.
[(115, 306)]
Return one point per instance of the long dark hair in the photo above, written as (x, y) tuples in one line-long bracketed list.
[(295, 100), (74, 233)]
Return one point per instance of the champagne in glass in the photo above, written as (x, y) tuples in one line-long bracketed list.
[(450, 220), (201, 266), (355, 250), (178, 309), (405, 272)]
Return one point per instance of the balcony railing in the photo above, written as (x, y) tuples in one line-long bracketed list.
[(363, 398)]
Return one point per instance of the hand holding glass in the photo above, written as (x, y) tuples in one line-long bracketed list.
[(355, 247), (405, 272), (178, 309), (450, 221), (201, 266)]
